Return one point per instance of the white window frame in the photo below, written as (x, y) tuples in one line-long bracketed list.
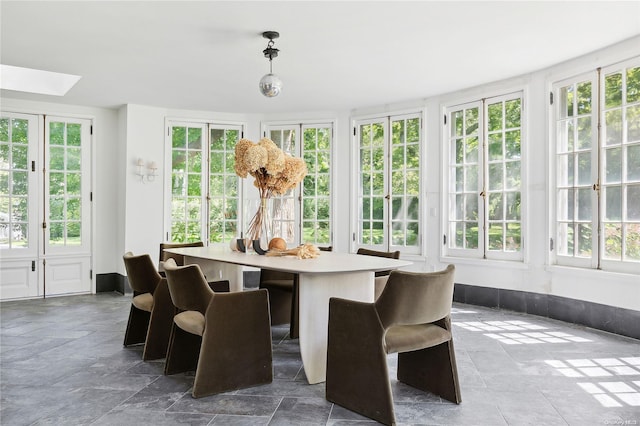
[(205, 127), (387, 239), (482, 251), (297, 195), (597, 259)]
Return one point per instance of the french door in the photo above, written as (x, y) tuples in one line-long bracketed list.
[(45, 206)]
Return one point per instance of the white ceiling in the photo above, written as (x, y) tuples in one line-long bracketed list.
[(207, 55)]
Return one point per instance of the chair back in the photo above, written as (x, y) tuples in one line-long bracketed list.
[(387, 254), (141, 273), (188, 287), (179, 258), (416, 297)]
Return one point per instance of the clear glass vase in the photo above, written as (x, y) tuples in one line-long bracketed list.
[(260, 226)]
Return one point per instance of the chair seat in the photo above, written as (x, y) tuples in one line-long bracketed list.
[(143, 302), (405, 338), (284, 285), (191, 322)]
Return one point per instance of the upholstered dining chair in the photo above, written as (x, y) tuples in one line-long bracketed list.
[(412, 318), (225, 337), (283, 296), (217, 286), (151, 311), (381, 277)]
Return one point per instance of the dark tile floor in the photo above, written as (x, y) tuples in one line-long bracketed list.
[(63, 363)]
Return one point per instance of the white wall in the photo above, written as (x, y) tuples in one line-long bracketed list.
[(129, 213)]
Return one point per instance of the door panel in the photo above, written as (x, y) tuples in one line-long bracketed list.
[(67, 206), (17, 279), (67, 275), (19, 187)]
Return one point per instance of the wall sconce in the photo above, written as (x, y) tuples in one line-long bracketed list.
[(151, 172)]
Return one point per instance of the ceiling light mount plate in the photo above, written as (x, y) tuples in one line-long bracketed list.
[(271, 35)]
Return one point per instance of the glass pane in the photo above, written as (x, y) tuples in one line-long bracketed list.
[(471, 179), (633, 123), (584, 240), (73, 209), (471, 121), (495, 236), (471, 154), (513, 237), (194, 138), (612, 241), (512, 145), (613, 90), (496, 211), (633, 203), (217, 140), (583, 96), (56, 233), (584, 168), (193, 188), (4, 129), (471, 235), (73, 233), (216, 184), (56, 208), (217, 162), (19, 209), (495, 146), (633, 84), (56, 133), (632, 241), (413, 130), (495, 176), (613, 164), (584, 204), (513, 175), (633, 163), (613, 127), (566, 204), (513, 206), (512, 113), (73, 158), (613, 203), (495, 116), (584, 132), (73, 184), (178, 138), (471, 207), (74, 135)]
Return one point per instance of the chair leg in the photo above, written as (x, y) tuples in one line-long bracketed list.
[(279, 306), (157, 341), (432, 370), (294, 325), (137, 326), (183, 351)]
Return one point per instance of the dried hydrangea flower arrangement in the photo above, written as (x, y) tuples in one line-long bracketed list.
[(275, 173)]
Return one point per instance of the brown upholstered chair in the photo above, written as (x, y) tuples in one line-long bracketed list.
[(283, 296), (381, 276), (411, 317), (225, 337), (217, 286), (151, 312)]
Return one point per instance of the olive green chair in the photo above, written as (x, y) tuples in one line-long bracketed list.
[(381, 277), (283, 297), (218, 286), (412, 318), (225, 337), (151, 311)]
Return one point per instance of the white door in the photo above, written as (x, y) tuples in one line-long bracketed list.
[(66, 254), (19, 187), (45, 206)]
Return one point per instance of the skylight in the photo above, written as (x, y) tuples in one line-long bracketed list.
[(36, 81)]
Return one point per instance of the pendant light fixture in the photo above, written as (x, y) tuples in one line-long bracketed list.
[(270, 84)]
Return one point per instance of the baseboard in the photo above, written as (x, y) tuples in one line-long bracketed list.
[(111, 282), (602, 317)]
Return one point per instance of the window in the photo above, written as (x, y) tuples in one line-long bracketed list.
[(484, 140), (204, 186), (305, 217), (389, 183), (597, 174)]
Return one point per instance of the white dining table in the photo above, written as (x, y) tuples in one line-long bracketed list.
[(331, 274)]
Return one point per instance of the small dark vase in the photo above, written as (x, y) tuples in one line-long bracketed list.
[(257, 248), (241, 247)]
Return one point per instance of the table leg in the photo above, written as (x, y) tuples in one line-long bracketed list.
[(315, 291), (215, 270)]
